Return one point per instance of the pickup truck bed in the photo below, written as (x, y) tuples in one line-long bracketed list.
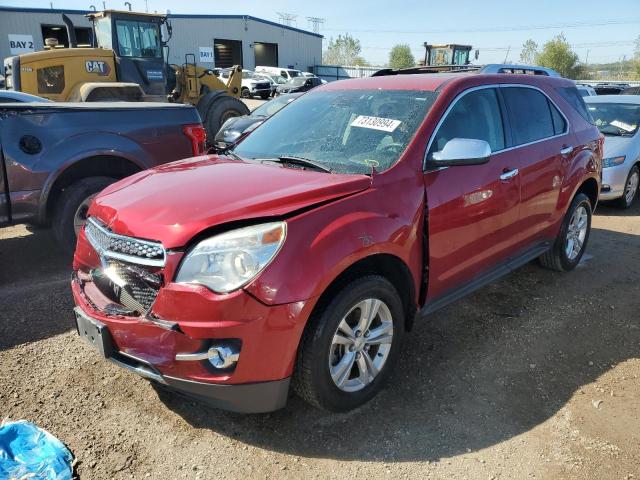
[(55, 156)]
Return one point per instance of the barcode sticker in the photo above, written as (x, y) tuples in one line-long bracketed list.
[(376, 123)]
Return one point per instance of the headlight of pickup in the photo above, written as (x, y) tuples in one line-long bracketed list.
[(228, 261)]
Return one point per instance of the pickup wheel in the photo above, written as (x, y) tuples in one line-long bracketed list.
[(70, 210), (630, 189), (223, 108), (350, 345), (572, 240)]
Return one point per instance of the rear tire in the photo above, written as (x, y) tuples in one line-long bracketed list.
[(574, 232), (630, 189), (332, 359), (220, 110), (265, 96), (72, 206)]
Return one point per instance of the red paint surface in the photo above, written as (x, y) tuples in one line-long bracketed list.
[(474, 221)]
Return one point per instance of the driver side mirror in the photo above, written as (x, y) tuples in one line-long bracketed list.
[(462, 151)]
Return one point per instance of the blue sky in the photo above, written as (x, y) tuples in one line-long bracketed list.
[(605, 31)]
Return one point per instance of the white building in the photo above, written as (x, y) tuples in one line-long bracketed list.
[(235, 39)]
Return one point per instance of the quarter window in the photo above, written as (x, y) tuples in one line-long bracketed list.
[(529, 114), (476, 115)]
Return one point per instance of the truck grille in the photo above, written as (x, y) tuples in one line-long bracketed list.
[(263, 86), (119, 247)]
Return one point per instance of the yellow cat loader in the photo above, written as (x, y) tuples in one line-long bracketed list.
[(125, 63)]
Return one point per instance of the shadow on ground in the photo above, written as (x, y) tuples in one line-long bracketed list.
[(475, 374), (35, 297)]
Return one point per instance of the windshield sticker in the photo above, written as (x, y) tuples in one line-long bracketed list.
[(376, 123), (624, 126)]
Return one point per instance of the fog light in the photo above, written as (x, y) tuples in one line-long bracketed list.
[(223, 357), (605, 188), (220, 356)]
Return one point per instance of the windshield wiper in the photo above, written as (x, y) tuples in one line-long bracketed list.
[(305, 162)]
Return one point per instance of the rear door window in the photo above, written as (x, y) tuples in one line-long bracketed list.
[(476, 115), (529, 114)]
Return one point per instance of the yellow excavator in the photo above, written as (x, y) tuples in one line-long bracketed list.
[(126, 63)]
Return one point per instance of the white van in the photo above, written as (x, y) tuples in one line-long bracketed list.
[(286, 73)]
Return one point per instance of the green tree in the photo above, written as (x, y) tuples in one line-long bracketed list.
[(344, 50), (557, 54), (529, 52), (400, 56)]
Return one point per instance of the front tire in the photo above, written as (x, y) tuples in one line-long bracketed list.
[(630, 189), (350, 345), (70, 210), (571, 242)]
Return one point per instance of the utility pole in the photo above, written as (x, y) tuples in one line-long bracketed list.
[(146, 6), (507, 55), (586, 60), (128, 4), (287, 18), (315, 23)]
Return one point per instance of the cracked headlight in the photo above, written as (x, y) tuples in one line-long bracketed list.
[(228, 261)]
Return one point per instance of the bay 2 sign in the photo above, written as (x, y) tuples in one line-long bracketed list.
[(20, 44)]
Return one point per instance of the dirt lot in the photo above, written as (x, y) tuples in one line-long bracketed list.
[(536, 376)]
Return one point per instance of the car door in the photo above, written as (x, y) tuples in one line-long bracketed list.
[(472, 210), (541, 138)]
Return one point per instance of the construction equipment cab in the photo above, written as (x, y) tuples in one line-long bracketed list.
[(126, 63)]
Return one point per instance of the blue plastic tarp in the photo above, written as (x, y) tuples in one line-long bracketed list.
[(29, 452)]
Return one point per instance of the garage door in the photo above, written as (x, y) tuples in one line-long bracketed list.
[(227, 53), (266, 54)]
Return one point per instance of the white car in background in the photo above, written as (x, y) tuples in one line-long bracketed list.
[(287, 73), (618, 118), (252, 85), (586, 90), (311, 75)]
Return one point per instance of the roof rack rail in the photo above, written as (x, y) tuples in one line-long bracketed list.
[(490, 68)]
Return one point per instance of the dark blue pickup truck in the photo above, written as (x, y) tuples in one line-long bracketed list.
[(55, 157)]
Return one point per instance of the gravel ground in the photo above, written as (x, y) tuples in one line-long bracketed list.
[(535, 376)]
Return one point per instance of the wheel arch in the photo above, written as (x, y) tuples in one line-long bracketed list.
[(386, 265), (101, 165), (590, 188)]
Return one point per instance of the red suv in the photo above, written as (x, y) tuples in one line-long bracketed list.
[(300, 258)]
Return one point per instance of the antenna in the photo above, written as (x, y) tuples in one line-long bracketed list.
[(315, 23), (287, 18)]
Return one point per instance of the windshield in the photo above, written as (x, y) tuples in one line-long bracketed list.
[(615, 118), (293, 73), (297, 81), (348, 131), (138, 39), (272, 106)]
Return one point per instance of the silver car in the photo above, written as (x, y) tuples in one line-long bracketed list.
[(618, 118)]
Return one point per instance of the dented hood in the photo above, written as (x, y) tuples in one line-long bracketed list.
[(174, 202)]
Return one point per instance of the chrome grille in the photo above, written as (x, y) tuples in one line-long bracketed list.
[(120, 247)]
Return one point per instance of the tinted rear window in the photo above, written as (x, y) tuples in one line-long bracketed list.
[(529, 114), (573, 97)]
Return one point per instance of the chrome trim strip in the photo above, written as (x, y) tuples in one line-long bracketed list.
[(123, 256), (494, 85)]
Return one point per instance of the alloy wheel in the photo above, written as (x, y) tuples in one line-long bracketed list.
[(632, 187), (577, 232), (361, 345)]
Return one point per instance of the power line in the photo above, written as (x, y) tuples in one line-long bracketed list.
[(315, 23), (623, 21), (287, 18)]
